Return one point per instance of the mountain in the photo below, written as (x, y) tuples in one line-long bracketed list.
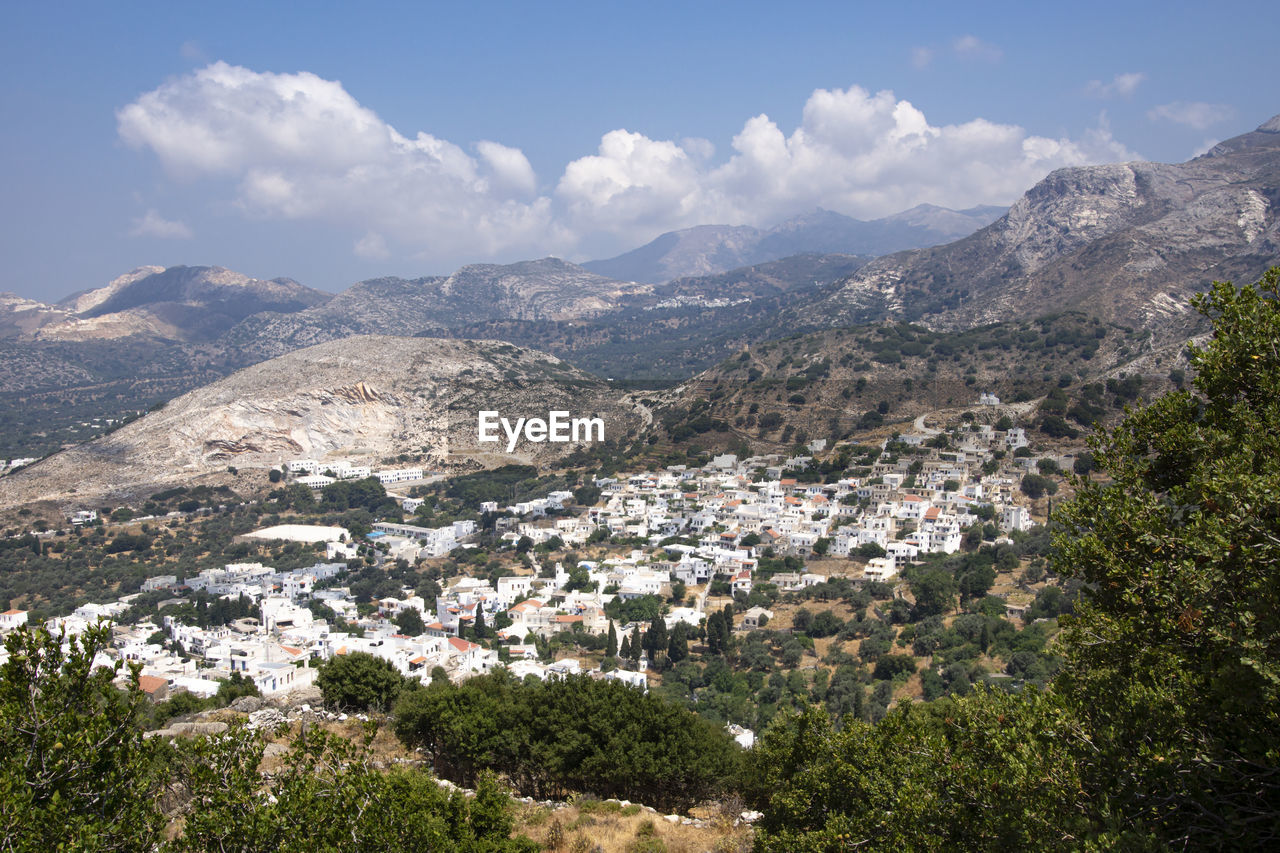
[(366, 398), (709, 249), (546, 289), (1128, 243), (687, 324), (179, 303)]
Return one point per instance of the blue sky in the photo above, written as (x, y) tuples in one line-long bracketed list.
[(332, 143)]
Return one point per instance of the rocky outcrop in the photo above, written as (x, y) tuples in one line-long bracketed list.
[(1127, 242), (368, 399)]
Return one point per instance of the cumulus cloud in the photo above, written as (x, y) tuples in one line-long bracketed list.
[(1123, 85), (1194, 114), (152, 224), (299, 147), (859, 153)]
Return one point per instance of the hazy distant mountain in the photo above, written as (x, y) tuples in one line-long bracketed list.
[(176, 304), (1125, 242), (546, 289), (709, 249)]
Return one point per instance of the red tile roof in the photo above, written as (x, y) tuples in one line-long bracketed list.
[(151, 683)]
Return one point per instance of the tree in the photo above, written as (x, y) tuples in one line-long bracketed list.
[(358, 681), (1173, 656), (75, 770), (678, 590), (655, 639), (611, 644), (332, 788), (678, 643), (934, 591), (717, 634), (870, 550), (1035, 486), (574, 734), (410, 623), (923, 778)]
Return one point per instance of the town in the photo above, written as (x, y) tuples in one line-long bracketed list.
[(689, 537)]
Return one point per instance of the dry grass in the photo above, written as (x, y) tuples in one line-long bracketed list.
[(596, 826)]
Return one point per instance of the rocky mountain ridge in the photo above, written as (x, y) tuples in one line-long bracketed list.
[(187, 304), (1126, 242), (710, 249)]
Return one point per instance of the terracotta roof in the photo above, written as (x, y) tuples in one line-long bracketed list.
[(462, 645), (151, 683), (418, 659)]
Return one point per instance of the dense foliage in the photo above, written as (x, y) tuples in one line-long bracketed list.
[(575, 734), (72, 756), (327, 796), (1174, 659), (77, 774), (358, 681)]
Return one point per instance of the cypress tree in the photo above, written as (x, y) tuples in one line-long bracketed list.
[(611, 645)]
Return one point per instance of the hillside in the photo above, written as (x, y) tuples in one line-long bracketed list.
[(686, 325), (364, 398), (179, 303), (709, 249), (1126, 242), (547, 289), (1069, 367)]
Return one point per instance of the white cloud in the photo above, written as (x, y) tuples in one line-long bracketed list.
[(1123, 85), (298, 147), (972, 47), (301, 147), (152, 224), (1194, 114), (858, 153)]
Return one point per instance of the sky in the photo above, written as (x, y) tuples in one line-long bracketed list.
[(331, 143)]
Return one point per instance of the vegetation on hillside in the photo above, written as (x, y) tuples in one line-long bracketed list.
[(1161, 729)]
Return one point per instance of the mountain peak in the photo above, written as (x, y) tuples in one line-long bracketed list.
[(710, 249), (1265, 140)]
